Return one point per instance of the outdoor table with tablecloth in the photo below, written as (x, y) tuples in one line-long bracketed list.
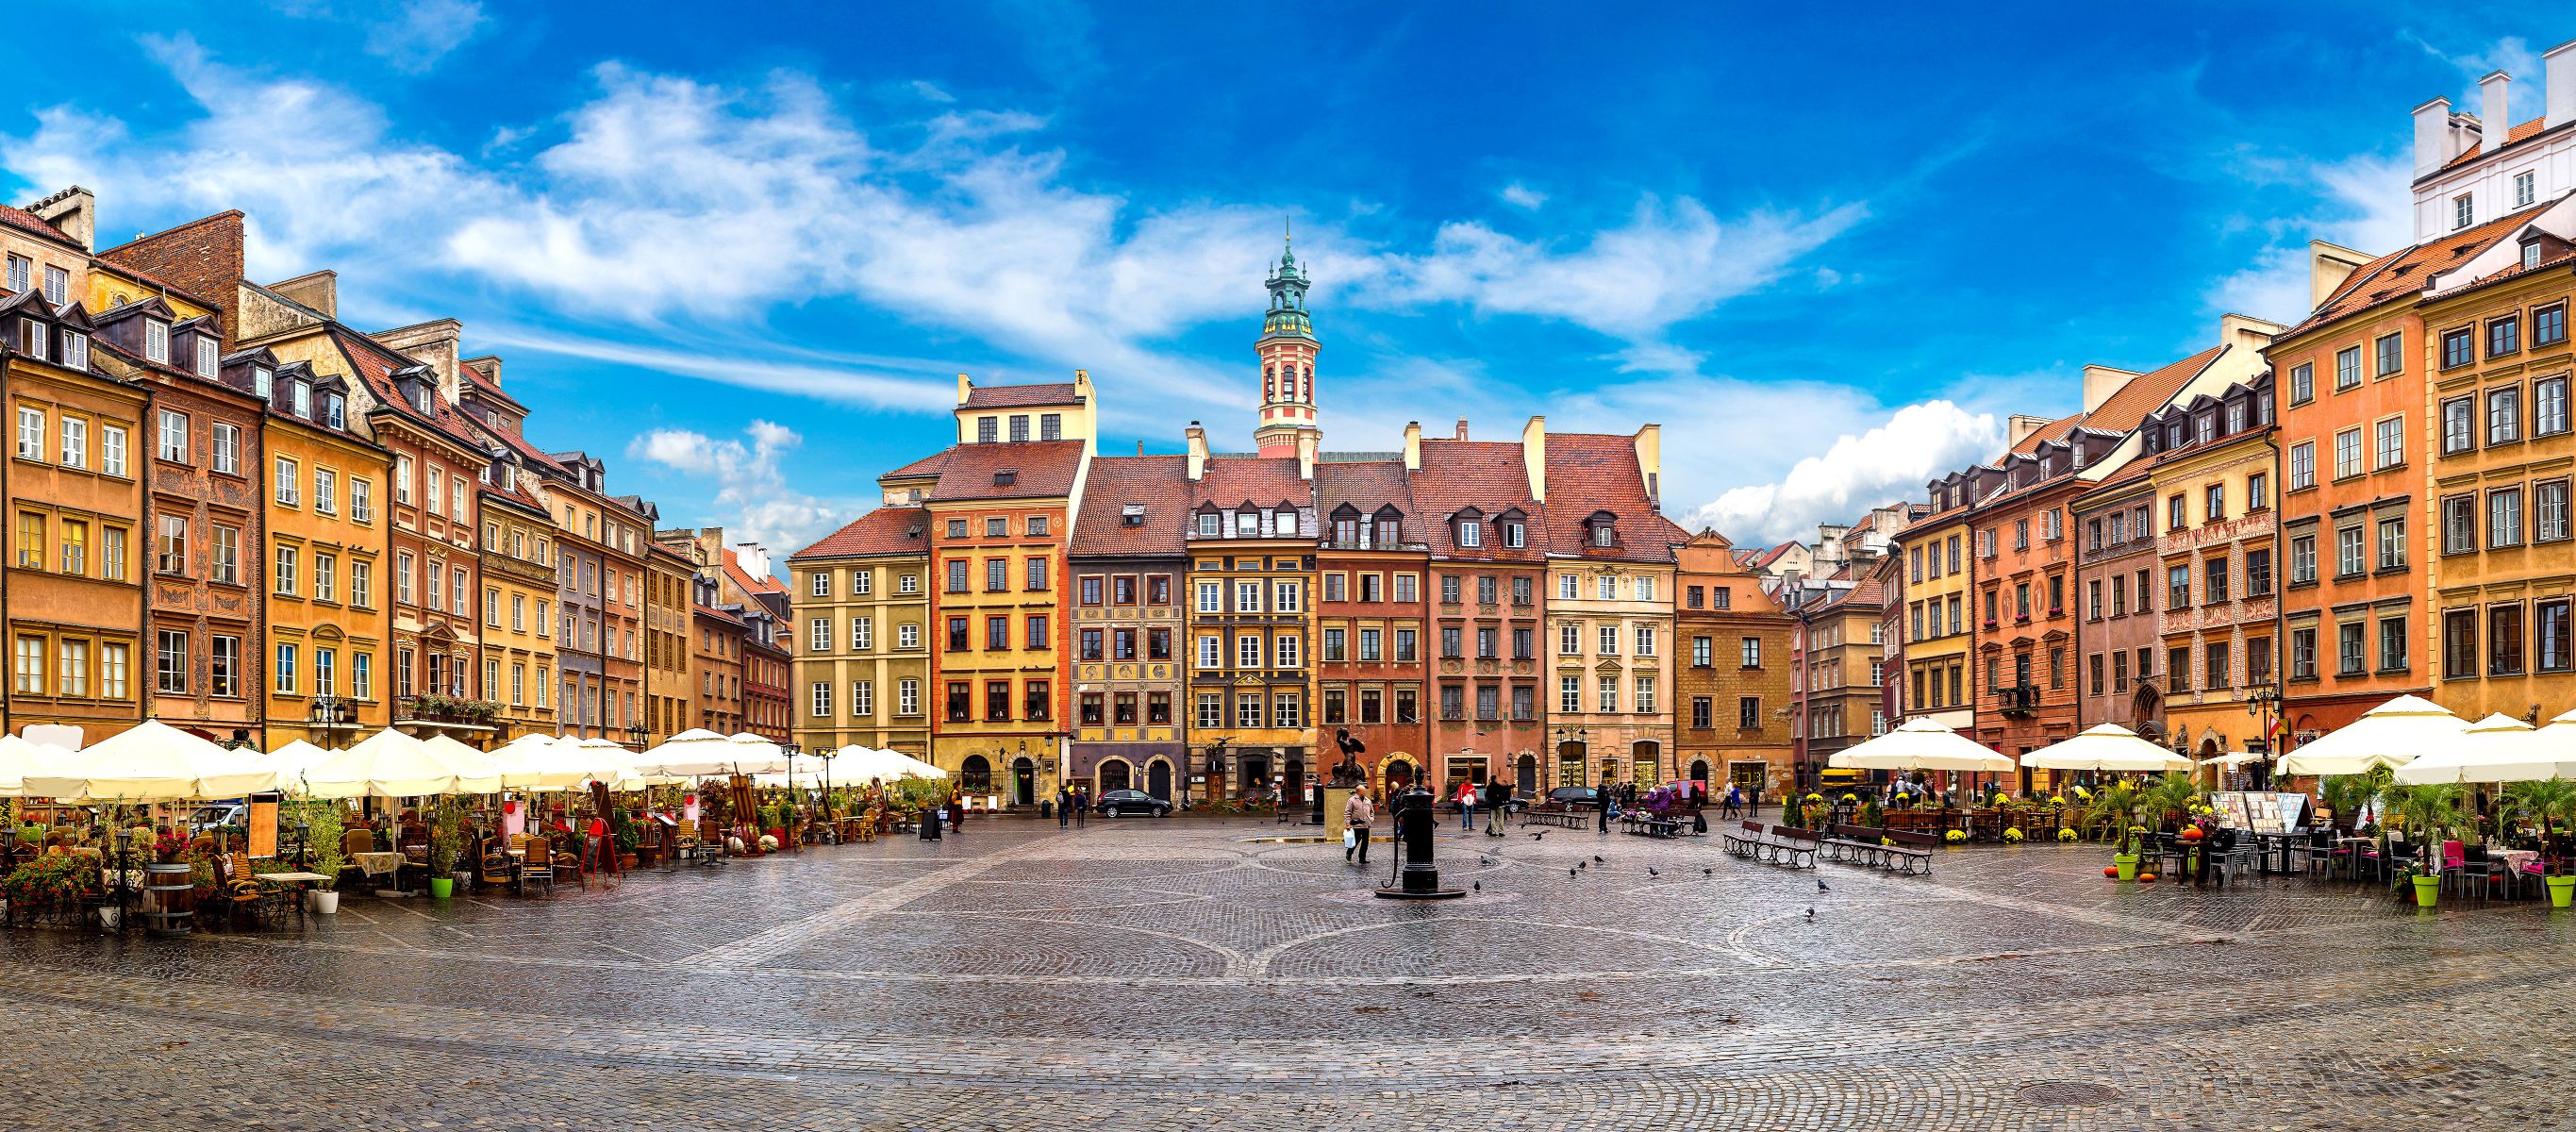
[(378, 864), (2515, 859)]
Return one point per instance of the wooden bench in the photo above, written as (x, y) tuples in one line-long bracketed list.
[(1555, 815), (1895, 850), (1665, 825), (1776, 845)]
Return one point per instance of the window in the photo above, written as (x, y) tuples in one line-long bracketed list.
[(156, 335), (290, 480), (2348, 648), (2463, 210), (1569, 694), (2303, 382), (2549, 325), (170, 663), (2388, 447), (2457, 436), (326, 500), (2176, 517), (75, 550), (1749, 652), (1035, 635), (2214, 503), (2459, 524), (21, 273), (2348, 554), (2549, 406), (2347, 368), (2549, 511), (2504, 336), (1609, 694), (2504, 640), (1470, 534), (2347, 453), (2524, 192), (362, 501), (1247, 651), (2213, 579), (2459, 347), (2549, 632), (2391, 351), (2177, 586), (2392, 644), (1036, 575), (2459, 643), (285, 681), (170, 551), (2392, 544), (2258, 491), (2504, 517), (2303, 465), (1211, 597)]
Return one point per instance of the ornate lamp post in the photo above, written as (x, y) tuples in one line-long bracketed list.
[(124, 847), (2264, 704)]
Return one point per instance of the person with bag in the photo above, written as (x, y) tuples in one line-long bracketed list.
[(1356, 814), (1498, 795), (1466, 807)]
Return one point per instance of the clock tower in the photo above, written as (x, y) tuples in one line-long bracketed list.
[(1287, 349)]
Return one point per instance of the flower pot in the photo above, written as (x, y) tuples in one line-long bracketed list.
[(442, 887), (2560, 889), (2127, 863), (2427, 890), (324, 901)]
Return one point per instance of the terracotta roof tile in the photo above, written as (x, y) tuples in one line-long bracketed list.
[(1037, 469), (1159, 484), (2147, 392), (1367, 486), (26, 221), (2055, 431), (1264, 481), (1484, 474), (2512, 137), (1593, 472), (375, 366), (886, 530), (1022, 396), (2402, 274), (750, 582)]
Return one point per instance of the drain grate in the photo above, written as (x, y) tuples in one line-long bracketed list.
[(2067, 1094)]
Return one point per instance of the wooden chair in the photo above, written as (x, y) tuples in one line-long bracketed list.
[(567, 861), (494, 867), (539, 867), (236, 892)]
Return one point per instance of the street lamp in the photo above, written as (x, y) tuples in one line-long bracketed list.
[(124, 846)]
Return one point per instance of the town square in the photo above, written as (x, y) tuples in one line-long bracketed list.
[(1036, 564)]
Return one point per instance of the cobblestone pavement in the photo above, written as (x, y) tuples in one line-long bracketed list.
[(1182, 974)]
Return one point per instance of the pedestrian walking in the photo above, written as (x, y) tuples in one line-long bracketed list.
[(1356, 815), (1466, 808), (1734, 807), (957, 814), (1081, 806), (1605, 798), (1497, 795), (1063, 808)]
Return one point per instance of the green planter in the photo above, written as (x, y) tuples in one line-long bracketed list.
[(2427, 890), (442, 887), (2127, 864), (2560, 889)]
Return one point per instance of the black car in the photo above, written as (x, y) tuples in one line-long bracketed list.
[(1123, 803), (1519, 801), (1574, 797)]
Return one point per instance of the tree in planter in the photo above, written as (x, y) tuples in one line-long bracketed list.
[(2346, 795), (446, 836), (2168, 796), (2426, 813), (2113, 808), (2545, 802)]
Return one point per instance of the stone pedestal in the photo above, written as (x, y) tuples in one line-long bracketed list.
[(1335, 798)]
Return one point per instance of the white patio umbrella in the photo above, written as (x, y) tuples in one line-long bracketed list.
[(1920, 744), (20, 757), (290, 762), (544, 762), (2236, 759), (392, 764), (153, 761), (2105, 747), (690, 754), (477, 772), (757, 755), (2498, 748), (2393, 734)]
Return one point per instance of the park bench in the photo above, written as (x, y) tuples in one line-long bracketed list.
[(1665, 825), (1556, 815), (1778, 845), (1895, 850)]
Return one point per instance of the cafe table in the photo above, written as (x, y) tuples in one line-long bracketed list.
[(291, 885)]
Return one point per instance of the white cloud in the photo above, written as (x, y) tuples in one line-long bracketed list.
[(2364, 202), (931, 92), (1668, 264), (422, 32), (752, 499), (1519, 195), (1891, 461), (2511, 55)]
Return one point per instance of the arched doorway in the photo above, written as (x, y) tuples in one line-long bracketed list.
[(1158, 779), (1255, 770), (1024, 781), (1525, 776), (1646, 763), (1113, 775), (976, 773), (1569, 764), (1293, 788), (1397, 774), (1699, 773)]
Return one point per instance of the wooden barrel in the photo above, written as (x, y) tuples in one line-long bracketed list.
[(169, 898)]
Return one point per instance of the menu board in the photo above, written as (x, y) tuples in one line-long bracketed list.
[(2259, 812)]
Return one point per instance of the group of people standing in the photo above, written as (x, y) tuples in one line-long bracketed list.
[(1072, 806), (1494, 796)]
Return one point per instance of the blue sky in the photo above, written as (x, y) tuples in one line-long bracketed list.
[(742, 250)]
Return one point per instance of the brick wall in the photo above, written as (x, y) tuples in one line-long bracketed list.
[(203, 258)]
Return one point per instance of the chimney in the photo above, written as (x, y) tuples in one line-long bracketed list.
[(1413, 446), (2495, 116), (2328, 267), (319, 290), (1534, 455), (1306, 454), (1462, 428), (2559, 83), (2252, 333), (1650, 462), (434, 343), (1198, 451), (73, 212), (2432, 123), (489, 365), (2100, 382), (2018, 427), (965, 386)]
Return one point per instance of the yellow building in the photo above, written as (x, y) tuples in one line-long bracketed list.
[(518, 592), (1000, 504), (334, 530), (1938, 639), (861, 609), (1252, 540), (2500, 449), (668, 693), (1609, 585)]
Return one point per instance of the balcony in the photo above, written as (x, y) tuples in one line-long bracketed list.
[(2018, 702)]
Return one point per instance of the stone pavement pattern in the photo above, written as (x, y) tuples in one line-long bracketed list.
[(1178, 974)]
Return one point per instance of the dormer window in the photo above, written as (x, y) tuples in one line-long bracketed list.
[(1388, 532), (31, 338), (206, 357), (2531, 253), (263, 381), (303, 399), (1604, 535), (334, 408), (156, 341), (2208, 427), (1346, 532), (1211, 524), (1132, 515), (1471, 533), (1284, 524), (1005, 479), (75, 350), (1247, 524)]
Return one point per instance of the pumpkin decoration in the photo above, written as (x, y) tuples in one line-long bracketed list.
[(2111, 870), (2191, 834), (2146, 878)]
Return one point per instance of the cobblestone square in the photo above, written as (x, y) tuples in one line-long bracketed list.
[(1185, 974)]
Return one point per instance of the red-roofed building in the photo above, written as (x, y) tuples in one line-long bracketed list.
[(1488, 541), (1733, 700), (1372, 660), (1610, 579), (1251, 540)]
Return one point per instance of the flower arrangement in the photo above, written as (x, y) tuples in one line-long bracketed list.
[(2058, 799), (1956, 837), (168, 845), (2066, 835), (52, 881), (2013, 836), (1887, 841)]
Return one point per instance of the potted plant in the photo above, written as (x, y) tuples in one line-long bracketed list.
[(2545, 802), (2125, 861), (322, 825), (629, 839), (446, 839), (2425, 813)]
